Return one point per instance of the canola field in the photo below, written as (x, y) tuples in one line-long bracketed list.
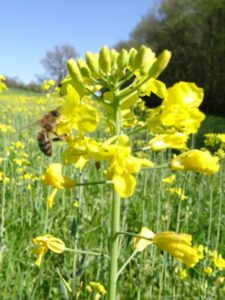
[(56, 219)]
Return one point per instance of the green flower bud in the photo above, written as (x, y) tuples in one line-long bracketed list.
[(147, 61), (85, 72), (105, 60), (132, 55), (92, 63), (114, 55), (74, 71), (144, 59), (160, 64), (122, 60), (140, 57)]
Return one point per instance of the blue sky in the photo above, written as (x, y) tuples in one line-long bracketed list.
[(29, 28)]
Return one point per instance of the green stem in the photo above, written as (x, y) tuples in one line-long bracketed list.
[(220, 209), (210, 213), (180, 202), (133, 235), (115, 226), (75, 242), (137, 130), (126, 263), (85, 252), (115, 217)]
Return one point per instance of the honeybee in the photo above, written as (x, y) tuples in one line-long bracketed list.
[(48, 124), (44, 137)]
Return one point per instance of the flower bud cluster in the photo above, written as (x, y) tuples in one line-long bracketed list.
[(111, 66)]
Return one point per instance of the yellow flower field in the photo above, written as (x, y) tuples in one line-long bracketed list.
[(123, 204)]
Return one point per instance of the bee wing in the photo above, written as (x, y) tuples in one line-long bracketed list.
[(28, 126)]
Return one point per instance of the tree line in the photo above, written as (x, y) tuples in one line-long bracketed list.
[(194, 31)]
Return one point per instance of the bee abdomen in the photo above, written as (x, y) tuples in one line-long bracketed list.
[(44, 143)]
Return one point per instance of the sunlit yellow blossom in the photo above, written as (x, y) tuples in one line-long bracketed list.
[(220, 153), (196, 160), (164, 141), (3, 178), (81, 117), (123, 166), (208, 270), (6, 128), (178, 245), (48, 84), (219, 261), (96, 286), (117, 151), (21, 161), (78, 152), (169, 179), (27, 176), (45, 243), (200, 251), (177, 191), (18, 145), (51, 198), (139, 243), (153, 86), (182, 273), (53, 176), (221, 137), (179, 110)]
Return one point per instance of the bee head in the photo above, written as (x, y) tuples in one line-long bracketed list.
[(55, 113)]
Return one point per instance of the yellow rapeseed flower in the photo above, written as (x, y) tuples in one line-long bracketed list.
[(81, 117), (178, 245), (182, 273), (180, 107), (45, 243), (208, 270), (169, 179), (123, 166), (6, 128), (218, 261), (179, 110), (139, 243), (177, 191), (196, 160), (53, 176), (163, 141), (97, 287), (200, 250)]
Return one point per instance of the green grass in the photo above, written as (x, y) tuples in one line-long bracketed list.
[(151, 274)]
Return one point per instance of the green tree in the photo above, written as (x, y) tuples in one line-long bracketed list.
[(194, 31)]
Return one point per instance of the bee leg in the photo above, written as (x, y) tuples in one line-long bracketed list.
[(59, 137)]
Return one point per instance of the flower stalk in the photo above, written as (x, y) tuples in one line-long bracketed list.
[(115, 217)]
